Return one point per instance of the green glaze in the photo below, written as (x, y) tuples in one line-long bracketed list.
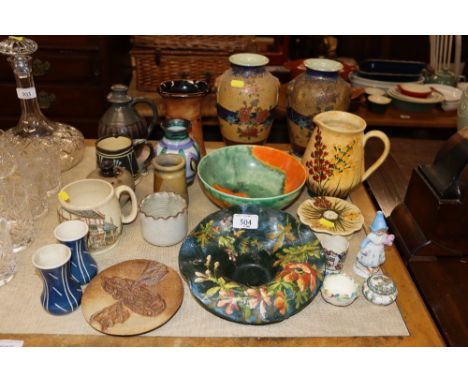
[(252, 276), (249, 180)]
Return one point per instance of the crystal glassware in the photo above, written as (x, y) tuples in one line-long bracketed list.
[(7, 257), (14, 198), (32, 123)]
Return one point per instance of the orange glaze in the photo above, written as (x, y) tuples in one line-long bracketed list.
[(228, 191), (293, 169)]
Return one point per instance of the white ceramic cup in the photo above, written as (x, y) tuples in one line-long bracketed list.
[(335, 249), (163, 218), (95, 202)]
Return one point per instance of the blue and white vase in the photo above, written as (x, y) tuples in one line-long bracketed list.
[(61, 294), (73, 233), (176, 140)]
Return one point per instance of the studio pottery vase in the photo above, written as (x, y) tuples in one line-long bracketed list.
[(122, 118), (246, 98)]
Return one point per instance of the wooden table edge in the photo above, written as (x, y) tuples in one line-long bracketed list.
[(421, 327)]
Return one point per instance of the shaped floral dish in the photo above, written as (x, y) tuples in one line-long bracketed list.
[(251, 175), (252, 275), (380, 290), (339, 289), (330, 215)]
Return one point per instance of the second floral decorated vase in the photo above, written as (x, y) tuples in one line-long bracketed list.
[(317, 90), (334, 158), (246, 97), (252, 265)]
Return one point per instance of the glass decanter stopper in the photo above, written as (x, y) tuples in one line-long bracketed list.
[(33, 123)]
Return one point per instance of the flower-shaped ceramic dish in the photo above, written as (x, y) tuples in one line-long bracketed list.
[(339, 290), (330, 215), (252, 276), (251, 175)]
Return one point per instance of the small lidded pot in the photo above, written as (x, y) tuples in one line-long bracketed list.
[(380, 290), (163, 218), (339, 289)]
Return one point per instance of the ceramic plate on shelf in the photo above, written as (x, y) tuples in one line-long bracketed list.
[(263, 272), (434, 97), (358, 81), (330, 215), (132, 297)]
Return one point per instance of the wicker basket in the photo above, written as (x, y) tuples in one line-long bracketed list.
[(161, 58), (227, 44)]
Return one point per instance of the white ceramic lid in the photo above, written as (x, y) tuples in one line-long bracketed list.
[(248, 59), (323, 65), (381, 285), (340, 284)]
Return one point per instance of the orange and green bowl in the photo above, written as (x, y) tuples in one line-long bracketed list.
[(251, 175)]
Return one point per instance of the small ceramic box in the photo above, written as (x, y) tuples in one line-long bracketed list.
[(163, 218), (380, 290)]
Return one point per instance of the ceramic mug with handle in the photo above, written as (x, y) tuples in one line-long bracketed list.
[(96, 202), (124, 153)]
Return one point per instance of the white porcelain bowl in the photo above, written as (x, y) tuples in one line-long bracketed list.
[(450, 93), (339, 289), (163, 218)]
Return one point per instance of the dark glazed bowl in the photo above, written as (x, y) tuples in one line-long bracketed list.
[(252, 276), (183, 88)]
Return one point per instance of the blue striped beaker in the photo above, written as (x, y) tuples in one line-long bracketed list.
[(61, 294), (73, 233)]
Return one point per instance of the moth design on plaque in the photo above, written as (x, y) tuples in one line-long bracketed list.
[(132, 297)]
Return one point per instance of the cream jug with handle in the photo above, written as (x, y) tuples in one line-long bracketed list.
[(334, 158)]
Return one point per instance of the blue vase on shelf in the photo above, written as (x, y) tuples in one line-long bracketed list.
[(61, 294), (73, 234)]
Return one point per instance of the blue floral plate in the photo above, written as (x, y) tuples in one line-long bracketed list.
[(252, 264)]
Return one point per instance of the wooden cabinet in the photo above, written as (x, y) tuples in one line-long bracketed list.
[(73, 75)]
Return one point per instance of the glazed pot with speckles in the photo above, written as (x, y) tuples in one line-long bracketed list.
[(246, 97), (317, 90)]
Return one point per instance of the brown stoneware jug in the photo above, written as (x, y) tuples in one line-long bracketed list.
[(122, 118)]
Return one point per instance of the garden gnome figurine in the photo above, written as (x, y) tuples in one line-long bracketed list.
[(372, 250)]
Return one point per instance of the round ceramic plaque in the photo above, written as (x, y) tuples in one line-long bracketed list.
[(132, 297), (252, 265)]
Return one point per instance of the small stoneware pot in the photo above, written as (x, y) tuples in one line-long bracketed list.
[(380, 290), (123, 152), (169, 174), (335, 249), (163, 218), (95, 202), (73, 234), (339, 290), (378, 104), (61, 294)]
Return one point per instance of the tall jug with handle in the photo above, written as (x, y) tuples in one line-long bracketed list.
[(334, 157)]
